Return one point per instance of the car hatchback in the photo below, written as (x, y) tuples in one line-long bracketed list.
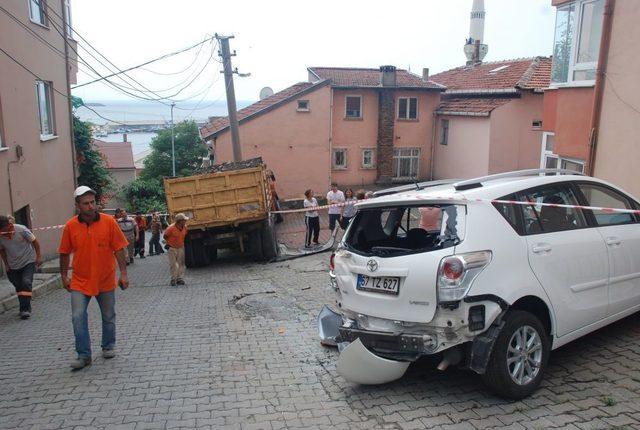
[(493, 273)]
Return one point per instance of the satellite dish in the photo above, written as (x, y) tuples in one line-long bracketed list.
[(265, 92)]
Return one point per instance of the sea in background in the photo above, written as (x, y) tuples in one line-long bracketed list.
[(118, 111)]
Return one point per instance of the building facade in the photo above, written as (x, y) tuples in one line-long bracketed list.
[(120, 163), (37, 67)]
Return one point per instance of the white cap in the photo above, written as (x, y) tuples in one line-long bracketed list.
[(82, 190), (181, 217)]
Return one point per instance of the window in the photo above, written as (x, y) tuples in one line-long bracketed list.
[(444, 132), (577, 41), (405, 163), (550, 160), (536, 124), (303, 106), (340, 158), (45, 111), (546, 219), (37, 11), (509, 212), (67, 14), (353, 107), (596, 195), (407, 108), (367, 159)]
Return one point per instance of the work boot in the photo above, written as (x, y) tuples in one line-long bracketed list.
[(80, 363), (180, 281), (173, 283), (25, 315), (108, 353)]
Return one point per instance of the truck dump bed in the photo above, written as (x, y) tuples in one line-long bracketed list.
[(224, 198)]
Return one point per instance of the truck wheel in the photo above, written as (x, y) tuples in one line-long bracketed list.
[(188, 254), (213, 252), (269, 245), (519, 357), (195, 253), (202, 253), (254, 243)]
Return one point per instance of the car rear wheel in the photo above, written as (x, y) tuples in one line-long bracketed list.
[(519, 356)]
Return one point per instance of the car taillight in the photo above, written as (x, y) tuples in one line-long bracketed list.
[(457, 273), (332, 261)]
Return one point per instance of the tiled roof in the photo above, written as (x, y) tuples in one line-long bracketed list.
[(118, 155), (221, 123), (369, 78), (470, 106), (138, 159), (524, 73)]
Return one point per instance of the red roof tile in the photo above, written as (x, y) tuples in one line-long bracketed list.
[(218, 124), (118, 155), (525, 73), (369, 78), (470, 106)]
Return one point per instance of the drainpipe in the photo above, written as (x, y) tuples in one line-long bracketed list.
[(330, 137), (601, 74), (65, 29), (9, 180)]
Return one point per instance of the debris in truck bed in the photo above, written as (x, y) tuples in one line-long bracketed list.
[(233, 165)]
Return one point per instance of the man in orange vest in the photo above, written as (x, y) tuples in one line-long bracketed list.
[(174, 235), (93, 239)]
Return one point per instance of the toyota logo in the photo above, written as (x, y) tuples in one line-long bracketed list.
[(372, 265)]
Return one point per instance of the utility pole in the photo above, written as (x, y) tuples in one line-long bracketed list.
[(226, 55), (173, 148)]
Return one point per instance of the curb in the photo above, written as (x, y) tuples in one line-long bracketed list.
[(38, 291)]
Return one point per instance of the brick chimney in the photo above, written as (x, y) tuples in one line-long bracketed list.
[(386, 118), (388, 77), (425, 74), (124, 137)]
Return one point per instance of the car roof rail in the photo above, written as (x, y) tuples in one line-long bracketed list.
[(477, 182), (417, 186)]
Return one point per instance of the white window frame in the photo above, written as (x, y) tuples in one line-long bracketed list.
[(345, 106), (408, 117), (307, 109), (578, 10), (443, 141), (414, 159), (42, 8), (546, 155), (67, 11), (335, 166), (372, 164), (44, 88)]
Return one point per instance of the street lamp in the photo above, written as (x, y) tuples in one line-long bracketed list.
[(173, 149)]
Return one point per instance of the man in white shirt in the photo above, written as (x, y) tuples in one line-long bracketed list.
[(335, 196)]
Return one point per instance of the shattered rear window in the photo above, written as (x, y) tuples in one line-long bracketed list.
[(400, 230)]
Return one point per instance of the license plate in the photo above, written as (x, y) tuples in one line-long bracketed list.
[(382, 284)]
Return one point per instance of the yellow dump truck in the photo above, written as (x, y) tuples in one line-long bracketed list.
[(228, 207)]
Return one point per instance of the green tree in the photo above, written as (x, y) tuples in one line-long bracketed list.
[(145, 195), (92, 171), (189, 151)]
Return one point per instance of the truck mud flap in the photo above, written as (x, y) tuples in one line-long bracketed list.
[(357, 364), (328, 323)]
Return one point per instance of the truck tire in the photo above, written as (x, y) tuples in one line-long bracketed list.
[(269, 244), (188, 254), (195, 253), (213, 253), (254, 243), (519, 357)]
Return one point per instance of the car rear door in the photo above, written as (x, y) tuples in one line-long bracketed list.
[(567, 256), (621, 234)]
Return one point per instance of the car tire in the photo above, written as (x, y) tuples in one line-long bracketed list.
[(513, 373)]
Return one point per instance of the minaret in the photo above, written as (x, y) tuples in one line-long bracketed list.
[(474, 49)]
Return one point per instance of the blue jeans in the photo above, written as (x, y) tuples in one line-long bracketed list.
[(79, 303)]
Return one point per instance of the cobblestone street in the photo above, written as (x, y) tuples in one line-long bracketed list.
[(237, 348)]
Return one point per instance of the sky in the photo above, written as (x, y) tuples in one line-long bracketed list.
[(277, 40)]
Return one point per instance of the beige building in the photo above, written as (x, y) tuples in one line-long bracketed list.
[(36, 143)]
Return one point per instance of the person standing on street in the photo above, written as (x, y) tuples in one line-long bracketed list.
[(311, 219), (175, 235), (20, 252), (349, 209), (93, 239), (130, 229), (334, 197), (156, 228), (141, 222)]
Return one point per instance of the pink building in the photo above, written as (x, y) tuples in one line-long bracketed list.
[(37, 159), (490, 117), (354, 126), (119, 162)]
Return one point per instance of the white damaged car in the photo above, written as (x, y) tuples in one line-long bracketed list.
[(493, 286)]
